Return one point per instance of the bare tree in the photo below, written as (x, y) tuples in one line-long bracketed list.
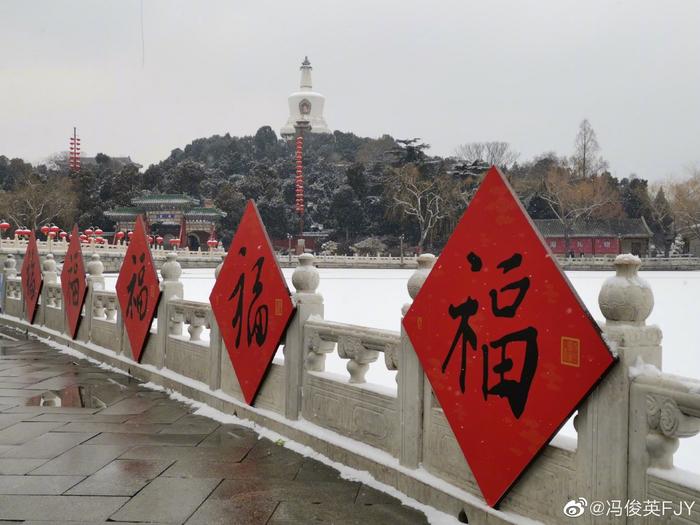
[(493, 153), (573, 199), (685, 202), (36, 202), (586, 160), (424, 199)]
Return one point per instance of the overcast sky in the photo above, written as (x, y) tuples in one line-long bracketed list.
[(526, 72)]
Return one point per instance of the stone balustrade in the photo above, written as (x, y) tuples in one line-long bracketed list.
[(628, 429)]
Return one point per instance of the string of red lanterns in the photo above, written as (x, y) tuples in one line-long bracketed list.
[(299, 179), (94, 234)]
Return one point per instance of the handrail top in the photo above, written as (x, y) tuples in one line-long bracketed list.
[(364, 332)]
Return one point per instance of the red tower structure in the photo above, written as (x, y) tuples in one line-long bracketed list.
[(301, 127), (299, 181), (74, 152)]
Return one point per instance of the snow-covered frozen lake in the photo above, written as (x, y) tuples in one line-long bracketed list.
[(374, 298)]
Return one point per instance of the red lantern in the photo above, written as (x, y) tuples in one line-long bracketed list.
[(54, 229), (159, 239), (52, 234), (150, 239), (119, 236), (88, 231), (83, 237), (212, 243), (45, 229), (174, 242), (130, 235), (63, 235), (4, 225), (98, 232)]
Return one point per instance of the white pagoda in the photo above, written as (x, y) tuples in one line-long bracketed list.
[(305, 106)]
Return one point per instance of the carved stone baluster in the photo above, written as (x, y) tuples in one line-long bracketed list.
[(359, 357), (171, 288), (96, 283), (413, 395), (197, 322), (177, 319), (9, 268), (48, 268), (98, 307), (111, 309), (308, 302), (607, 421), (58, 297), (317, 349), (95, 269), (215, 342)]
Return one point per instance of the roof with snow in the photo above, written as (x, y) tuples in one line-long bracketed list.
[(623, 228)]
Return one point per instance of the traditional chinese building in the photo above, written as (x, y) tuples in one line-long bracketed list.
[(168, 214), (610, 237), (306, 106)]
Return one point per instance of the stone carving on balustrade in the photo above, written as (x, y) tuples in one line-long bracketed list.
[(359, 357), (176, 321), (666, 424), (95, 269), (171, 269), (98, 307), (10, 266), (48, 269), (197, 323), (626, 300), (391, 357), (317, 349), (415, 282), (306, 277), (197, 318)]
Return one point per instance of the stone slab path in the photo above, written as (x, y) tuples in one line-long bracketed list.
[(82, 445)]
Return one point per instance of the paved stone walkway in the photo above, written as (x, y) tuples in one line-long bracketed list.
[(79, 444)]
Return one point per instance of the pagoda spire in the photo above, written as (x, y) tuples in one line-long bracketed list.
[(305, 68)]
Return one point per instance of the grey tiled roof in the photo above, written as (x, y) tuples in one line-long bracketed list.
[(595, 228)]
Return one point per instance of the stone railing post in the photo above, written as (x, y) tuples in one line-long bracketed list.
[(308, 302), (9, 271), (170, 288), (50, 276), (411, 379), (95, 282), (215, 344), (603, 456)]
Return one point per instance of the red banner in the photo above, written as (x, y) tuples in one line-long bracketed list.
[(251, 303), (73, 282), (508, 347), (31, 278), (138, 290)]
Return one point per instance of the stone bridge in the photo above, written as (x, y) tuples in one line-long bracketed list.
[(627, 431)]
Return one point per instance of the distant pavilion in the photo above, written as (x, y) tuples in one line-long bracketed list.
[(171, 216)]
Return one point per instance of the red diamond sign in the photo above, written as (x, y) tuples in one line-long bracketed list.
[(31, 278), (508, 347), (73, 282), (138, 290), (251, 303)]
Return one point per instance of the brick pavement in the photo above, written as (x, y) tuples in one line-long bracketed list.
[(82, 445)]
